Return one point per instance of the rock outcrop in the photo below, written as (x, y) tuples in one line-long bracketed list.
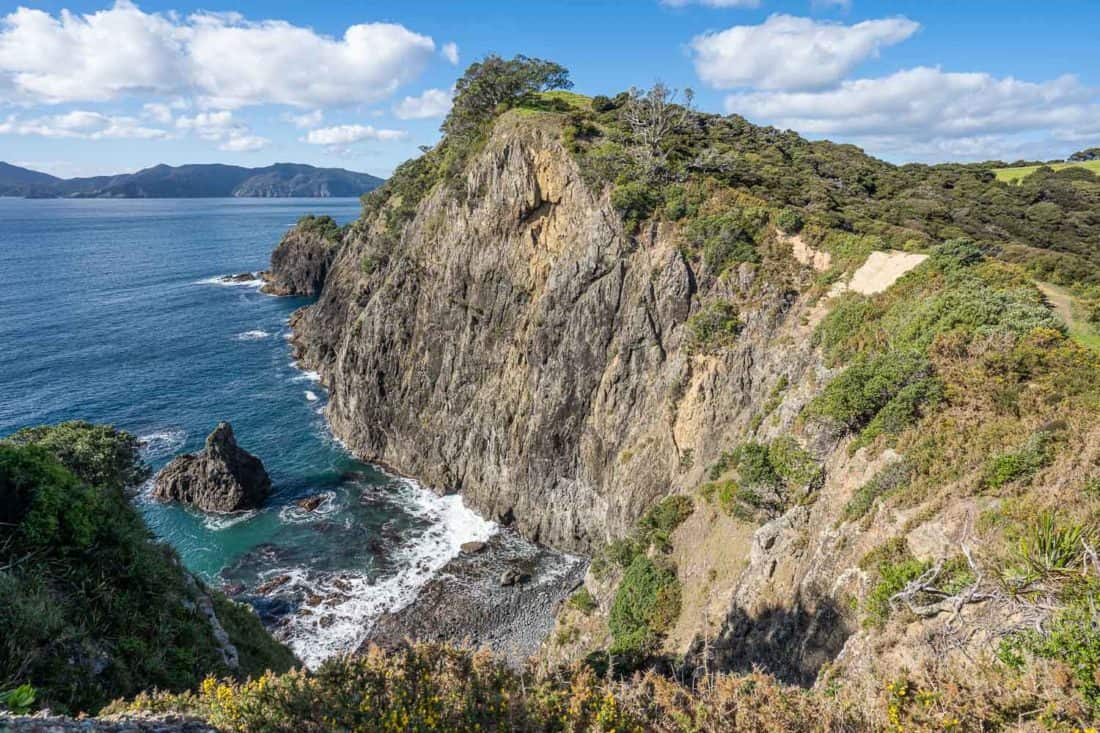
[(519, 346), (300, 263), (221, 478)]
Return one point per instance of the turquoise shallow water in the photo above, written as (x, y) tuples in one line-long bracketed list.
[(112, 313)]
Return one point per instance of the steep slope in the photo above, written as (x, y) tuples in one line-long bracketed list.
[(93, 608), (786, 445)]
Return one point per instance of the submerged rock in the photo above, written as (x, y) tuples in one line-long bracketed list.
[(220, 478), (242, 277)]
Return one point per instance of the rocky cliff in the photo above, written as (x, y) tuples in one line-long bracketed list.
[(854, 431), (222, 477), (518, 346)]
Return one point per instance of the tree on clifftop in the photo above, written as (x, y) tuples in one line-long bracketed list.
[(494, 82)]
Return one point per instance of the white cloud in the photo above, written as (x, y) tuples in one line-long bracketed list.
[(307, 120), (450, 52), (786, 52), (431, 103), (926, 114), (713, 3), (223, 59), (348, 134), (81, 124), (244, 143), (223, 128), (158, 111)]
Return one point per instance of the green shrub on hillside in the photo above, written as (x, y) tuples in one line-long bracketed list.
[(714, 326), (645, 605), (97, 454), (324, 226)]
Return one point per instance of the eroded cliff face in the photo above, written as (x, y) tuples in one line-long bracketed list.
[(300, 263), (518, 346)]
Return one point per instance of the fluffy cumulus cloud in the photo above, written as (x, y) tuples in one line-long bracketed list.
[(795, 73), (307, 120), (431, 103), (786, 52), (343, 135), (925, 113), (82, 124), (450, 52), (222, 59)]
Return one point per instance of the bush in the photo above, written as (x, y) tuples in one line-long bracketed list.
[(714, 326), (659, 522), (1073, 639), (789, 221), (323, 226), (583, 601), (645, 605), (893, 567), (871, 384), (724, 239), (888, 480), (1004, 468), (98, 454), (635, 201)]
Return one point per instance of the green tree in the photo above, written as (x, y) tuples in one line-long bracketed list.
[(495, 82)]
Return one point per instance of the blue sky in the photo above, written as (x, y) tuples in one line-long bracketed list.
[(102, 87)]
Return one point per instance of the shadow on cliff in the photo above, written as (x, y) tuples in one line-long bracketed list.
[(792, 643)]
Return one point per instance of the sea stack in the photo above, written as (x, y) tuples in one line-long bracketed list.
[(221, 478)]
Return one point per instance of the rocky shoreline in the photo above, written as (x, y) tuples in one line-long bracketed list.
[(503, 597)]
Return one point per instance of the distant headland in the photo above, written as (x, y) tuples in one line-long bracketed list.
[(192, 181)]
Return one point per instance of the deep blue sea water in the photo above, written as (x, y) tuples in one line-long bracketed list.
[(111, 311)]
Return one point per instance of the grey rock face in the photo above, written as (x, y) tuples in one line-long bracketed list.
[(518, 346), (299, 264), (220, 478)]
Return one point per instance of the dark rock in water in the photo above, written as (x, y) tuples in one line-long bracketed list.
[(233, 589), (472, 548), (243, 277), (310, 503), (274, 584), (327, 620), (220, 478)]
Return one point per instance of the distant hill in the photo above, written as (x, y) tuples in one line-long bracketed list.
[(192, 181)]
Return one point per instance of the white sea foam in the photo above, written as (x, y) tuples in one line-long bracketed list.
[(252, 335), (352, 611), (311, 396), (306, 376), (218, 522), (162, 443), (225, 280)]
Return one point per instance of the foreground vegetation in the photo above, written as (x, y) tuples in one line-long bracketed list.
[(93, 608)]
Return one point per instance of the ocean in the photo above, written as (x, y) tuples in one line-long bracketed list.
[(113, 312)]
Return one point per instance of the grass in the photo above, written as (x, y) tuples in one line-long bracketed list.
[(1014, 175), (1068, 308)]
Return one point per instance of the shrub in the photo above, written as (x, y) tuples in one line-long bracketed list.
[(714, 326), (724, 240), (645, 605), (789, 221), (635, 201), (870, 384), (583, 601), (98, 454), (1073, 639), (889, 479), (1024, 463), (894, 568), (659, 522), (323, 226)]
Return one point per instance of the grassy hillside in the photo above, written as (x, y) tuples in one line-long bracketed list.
[(1013, 175), (93, 608)]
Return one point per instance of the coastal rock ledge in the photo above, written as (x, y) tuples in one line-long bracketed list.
[(221, 478)]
